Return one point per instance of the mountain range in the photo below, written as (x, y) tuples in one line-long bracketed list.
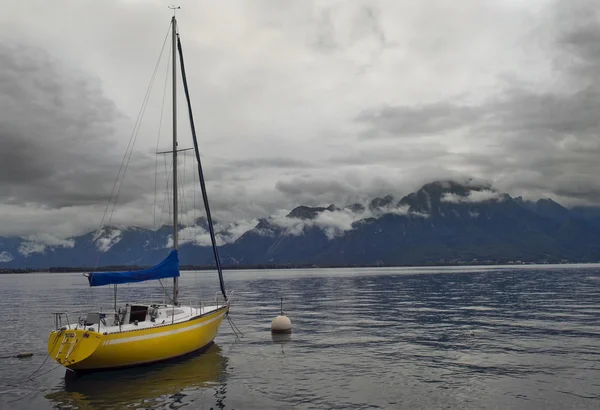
[(444, 222)]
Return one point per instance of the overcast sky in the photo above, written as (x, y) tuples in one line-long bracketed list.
[(296, 102)]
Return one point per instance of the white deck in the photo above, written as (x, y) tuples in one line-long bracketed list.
[(162, 314)]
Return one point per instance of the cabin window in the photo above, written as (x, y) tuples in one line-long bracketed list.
[(138, 313)]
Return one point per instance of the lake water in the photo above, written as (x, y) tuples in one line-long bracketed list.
[(393, 338)]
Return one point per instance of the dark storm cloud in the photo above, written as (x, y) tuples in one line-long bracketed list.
[(57, 132)]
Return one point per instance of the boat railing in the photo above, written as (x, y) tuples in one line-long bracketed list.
[(193, 303), (220, 300), (197, 303), (58, 320)]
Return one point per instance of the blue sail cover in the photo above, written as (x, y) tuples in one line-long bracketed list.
[(168, 268)]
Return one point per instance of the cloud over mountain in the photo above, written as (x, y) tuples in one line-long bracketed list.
[(357, 102), (477, 225)]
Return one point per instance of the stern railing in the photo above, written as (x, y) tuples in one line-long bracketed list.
[(58, 320)]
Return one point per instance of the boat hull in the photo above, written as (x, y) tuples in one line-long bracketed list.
[(85, 350)]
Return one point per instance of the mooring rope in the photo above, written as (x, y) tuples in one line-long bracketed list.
[(235, 329)]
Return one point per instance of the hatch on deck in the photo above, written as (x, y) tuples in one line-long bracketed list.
[(138, 312)]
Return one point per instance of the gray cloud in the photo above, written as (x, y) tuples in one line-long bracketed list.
[(314, 187), (528, 138), (417, 120), (393, 154), (296, 103), (57, 132), (274, 162)]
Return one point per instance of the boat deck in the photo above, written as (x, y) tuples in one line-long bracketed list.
[(139, 316)]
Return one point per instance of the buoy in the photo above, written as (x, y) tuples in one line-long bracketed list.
[(282, 323), (23, 355)]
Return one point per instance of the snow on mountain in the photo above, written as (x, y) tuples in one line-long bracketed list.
[(107, 237), (333, 221), (40, 243), (472, 197), (224, 233), (5, 257), (443, 220)]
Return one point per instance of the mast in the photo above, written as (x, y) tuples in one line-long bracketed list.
[(175, 225)]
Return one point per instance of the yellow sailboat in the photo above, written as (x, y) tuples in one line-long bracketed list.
[(142, 333)]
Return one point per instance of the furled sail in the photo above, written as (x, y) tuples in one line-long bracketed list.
[(168, 268), (200, 173)]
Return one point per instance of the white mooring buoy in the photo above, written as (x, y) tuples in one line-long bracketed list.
[(282, 323)]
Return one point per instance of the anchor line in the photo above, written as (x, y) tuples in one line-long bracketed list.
[(31, 376), (38, 369), (47, 356), (235, 329)]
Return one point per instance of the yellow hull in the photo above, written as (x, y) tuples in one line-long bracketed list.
[(82, 349)]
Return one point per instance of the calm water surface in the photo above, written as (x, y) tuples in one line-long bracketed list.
[(460, 338)]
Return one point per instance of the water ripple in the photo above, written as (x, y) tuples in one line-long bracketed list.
[(457, 338)]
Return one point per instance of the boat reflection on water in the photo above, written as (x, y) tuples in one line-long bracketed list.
[(160, 385)]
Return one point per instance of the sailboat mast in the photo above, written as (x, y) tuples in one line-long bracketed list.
[(175, 225)]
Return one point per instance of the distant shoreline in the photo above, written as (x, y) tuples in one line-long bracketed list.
[(63, 269)]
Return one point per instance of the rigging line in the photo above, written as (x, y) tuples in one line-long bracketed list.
[(167, 199), (133, 132), (165, 290), (194, 192), (162, 110), (145, 105), (194, 214), (200, 173), (185, 195), (127, 149), (154, 204), (182, 193), (188, 206)]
